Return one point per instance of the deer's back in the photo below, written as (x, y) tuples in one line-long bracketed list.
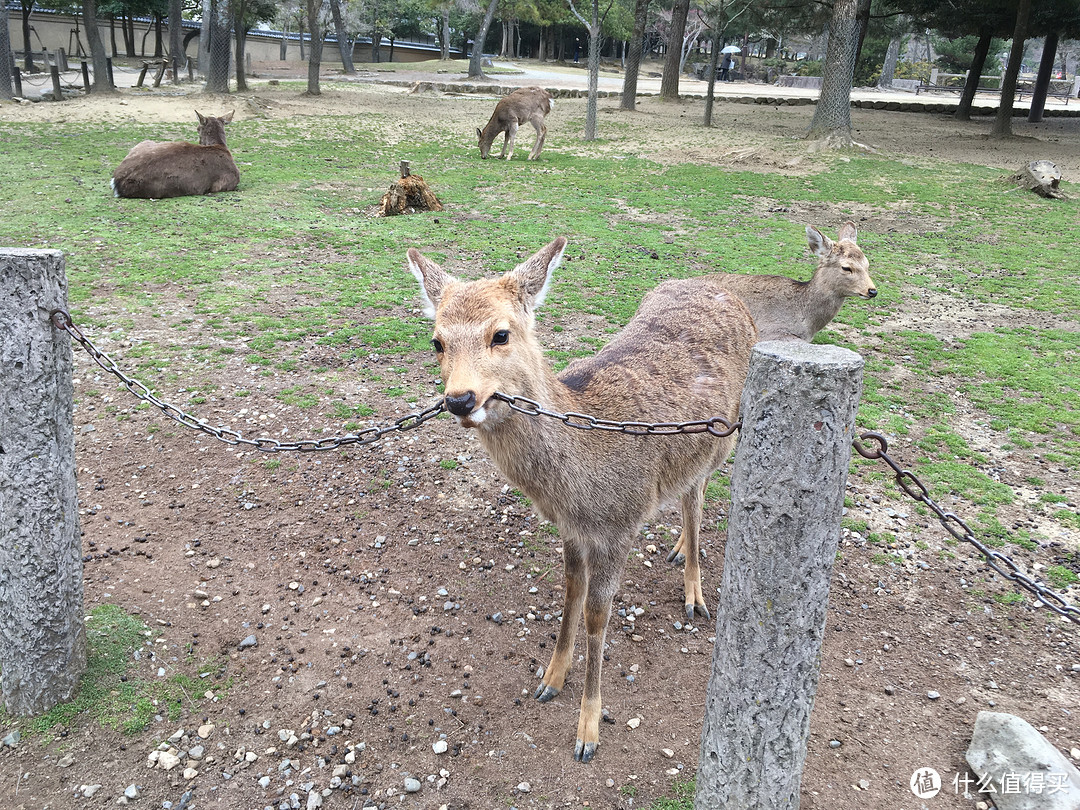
[(175, 169), (780, 306)]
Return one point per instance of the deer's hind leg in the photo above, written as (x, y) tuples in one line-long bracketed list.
[(541, 135), (690, 541), (575, 582), (678, 551)]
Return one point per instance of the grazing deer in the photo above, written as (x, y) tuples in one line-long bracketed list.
[(682, 357), (155, 170), (785, 309), (526, 104)]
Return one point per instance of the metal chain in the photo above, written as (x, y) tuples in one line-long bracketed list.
[(61, 320), (715, 425), (1001, 563)]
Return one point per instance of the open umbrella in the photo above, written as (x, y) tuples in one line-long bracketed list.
[(732, 49)]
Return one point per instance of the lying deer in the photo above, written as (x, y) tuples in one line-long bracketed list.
[(785, 309), (682, 357), (526, 104), (155, 170)]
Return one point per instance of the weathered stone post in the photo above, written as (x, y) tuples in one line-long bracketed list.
[(42, 637), (787, 495)]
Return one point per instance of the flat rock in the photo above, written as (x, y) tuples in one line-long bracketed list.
[(1005, 748)]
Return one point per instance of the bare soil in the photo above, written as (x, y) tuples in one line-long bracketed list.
[(402, 595)]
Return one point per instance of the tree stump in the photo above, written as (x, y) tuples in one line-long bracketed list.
[(1040, 176), (408, 195)]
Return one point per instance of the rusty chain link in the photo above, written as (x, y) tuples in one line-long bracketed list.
[(61, 320), (1001, 563), (716, 426)]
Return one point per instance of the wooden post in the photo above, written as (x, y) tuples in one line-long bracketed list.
[(142, 74), (58, 92), (86, 76), (17, 76), (159, 74), (42, 636), (787, 494), (109, 71)]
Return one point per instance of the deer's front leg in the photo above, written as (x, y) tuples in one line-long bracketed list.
[(508, 143), (603, 579), (573, 598)]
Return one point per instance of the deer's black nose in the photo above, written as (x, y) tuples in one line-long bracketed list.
[(461, 404), (871, 292)]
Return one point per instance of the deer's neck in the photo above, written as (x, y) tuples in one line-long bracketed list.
[(822, 303)]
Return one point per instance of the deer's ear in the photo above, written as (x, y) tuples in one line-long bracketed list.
[(819, 243), (227, 119), (848, 232), (533, 275), (479, 133), (202, 118), (433, 280)]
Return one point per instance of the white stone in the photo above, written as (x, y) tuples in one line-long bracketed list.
[(439, 746), (167, 760), (633, 722)]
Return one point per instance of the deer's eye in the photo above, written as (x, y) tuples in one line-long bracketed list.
[(500, 338), (846, 269), (438, 345)]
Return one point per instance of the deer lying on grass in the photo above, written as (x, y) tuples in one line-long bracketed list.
[(155, 170), (785, 309), (682, 357), (526, 104)]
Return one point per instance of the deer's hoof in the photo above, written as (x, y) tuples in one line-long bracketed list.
[(544, 693), (584, 752), (701, 610), (676, 557)]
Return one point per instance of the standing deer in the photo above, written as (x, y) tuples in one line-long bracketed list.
[(526, 104), (155, 170), (682, 357), (785, 309)]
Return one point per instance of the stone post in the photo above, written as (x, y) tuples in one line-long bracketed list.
[(42, 637), (787, 494)]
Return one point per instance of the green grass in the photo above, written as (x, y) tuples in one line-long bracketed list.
[(108, 695)]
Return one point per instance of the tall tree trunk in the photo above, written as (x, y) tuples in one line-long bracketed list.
[(158, 51), (204, 39), (863, 13), (593, 27), (217, 74), (176, 37), (888, 70), (633, 59), (283, 52), (714, 60), (240, 37), (1042, 81), (669, 82), (832, 115), (444, 37), (315, 57), (28, 51), (344, 44), (475, 69), (1002, 127), (7, 58), (978, 61), (100, 84), (129, 35)]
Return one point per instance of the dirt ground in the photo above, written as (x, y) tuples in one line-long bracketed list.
[(402, 596)]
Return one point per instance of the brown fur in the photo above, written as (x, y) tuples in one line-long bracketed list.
[(785, 309), (155, 170), (682, 357), (526, 104)]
